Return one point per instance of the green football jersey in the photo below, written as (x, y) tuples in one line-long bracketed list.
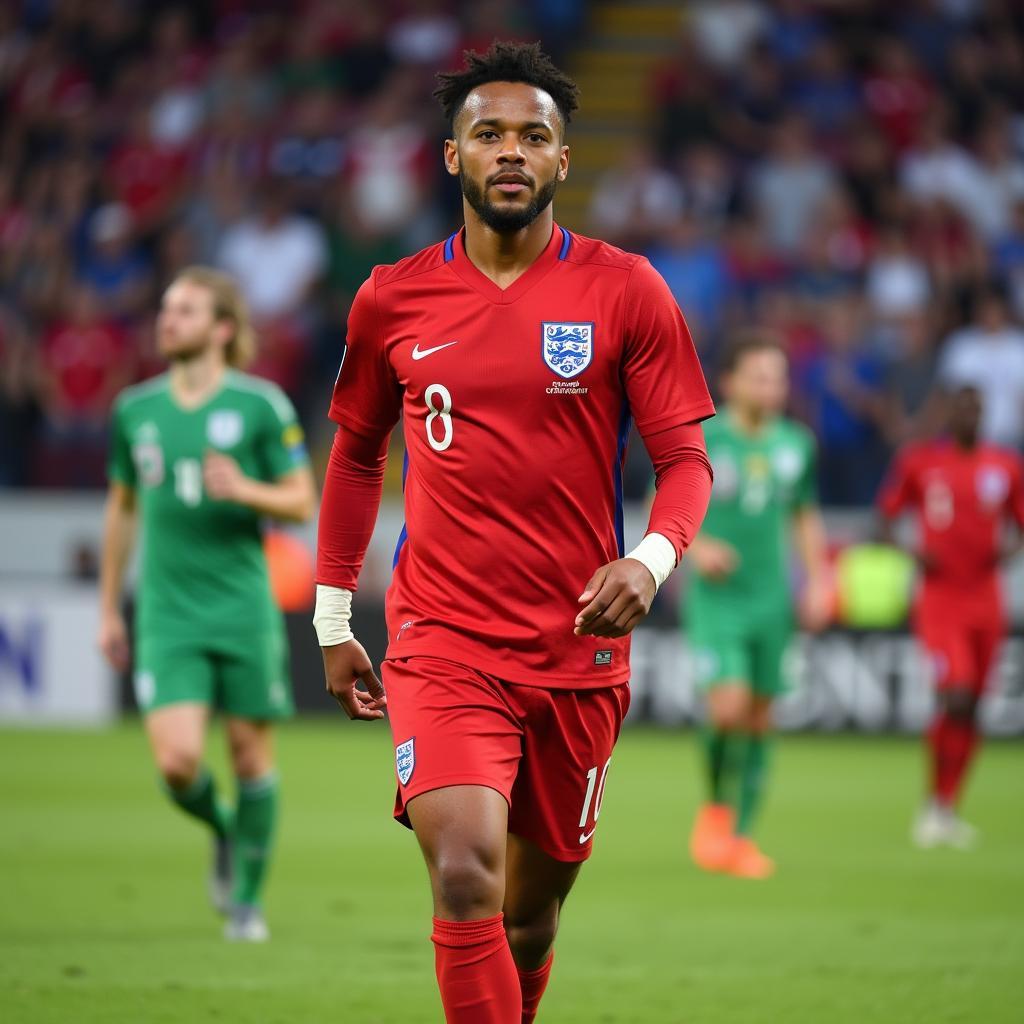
[(759, 481), (203, 565)]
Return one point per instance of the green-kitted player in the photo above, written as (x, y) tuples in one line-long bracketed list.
[(200, 454), (739, 609)]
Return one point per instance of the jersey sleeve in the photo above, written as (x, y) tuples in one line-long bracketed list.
[(898, 491), (805, 493), (366, 393), (282, 441), (661, 373), (1015, 499), (120, 465)]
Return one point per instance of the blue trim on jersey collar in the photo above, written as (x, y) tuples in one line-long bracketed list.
[(566, 242), (449, 247)]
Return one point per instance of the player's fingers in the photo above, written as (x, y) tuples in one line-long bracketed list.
[(374, 687), (609, 622), (346, 698), (593, 585)]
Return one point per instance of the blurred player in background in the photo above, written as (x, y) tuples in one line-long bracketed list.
[(200, 454), (963, 494), (517, 352), (738, 608)]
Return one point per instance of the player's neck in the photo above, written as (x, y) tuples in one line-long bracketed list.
[(195, 379), (505, 257), (748, 421)]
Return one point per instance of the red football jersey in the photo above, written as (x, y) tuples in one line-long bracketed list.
[(962, 500), (517, 405)]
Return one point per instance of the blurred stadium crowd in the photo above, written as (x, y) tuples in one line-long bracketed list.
[(850, 175)]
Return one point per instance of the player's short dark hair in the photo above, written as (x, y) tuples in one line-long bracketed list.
[(507, 62), (746, 344)]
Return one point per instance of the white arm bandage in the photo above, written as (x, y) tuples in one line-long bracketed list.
[(657, 553), (332, 614)]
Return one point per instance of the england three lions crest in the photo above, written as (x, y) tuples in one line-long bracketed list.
[(568, 347), (405, 760)]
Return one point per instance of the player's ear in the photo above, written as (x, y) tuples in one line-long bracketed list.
[(451, 156), (563, 164)]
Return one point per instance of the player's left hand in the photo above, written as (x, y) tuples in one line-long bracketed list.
[(222, 478), (617, 597)]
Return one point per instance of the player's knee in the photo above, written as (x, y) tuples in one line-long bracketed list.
[(178, 766), (961, 704), (469, 884), (531, 939)]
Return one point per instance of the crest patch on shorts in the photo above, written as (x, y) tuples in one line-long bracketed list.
[(405, 760)]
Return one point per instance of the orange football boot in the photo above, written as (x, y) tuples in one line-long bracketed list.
[(711, 840), (747, 861)]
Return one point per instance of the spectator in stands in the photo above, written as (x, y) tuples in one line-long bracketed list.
[(989, 354), (276, 256), (1007, 253), (913, 409), (634, 199), (843, 392), (114, 265), (790, 187), (897, 282), (85, 358)]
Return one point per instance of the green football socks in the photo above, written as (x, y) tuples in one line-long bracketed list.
[(723, 750), (254, 832), (200, 801), (752, 781)]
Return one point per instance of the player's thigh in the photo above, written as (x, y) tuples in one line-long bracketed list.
[(945, 644), (171, 670), (986, 645), (251, 743), (568, 738), (451, 726), (722, 669), (768, 646), (253, 678), (761, 717)]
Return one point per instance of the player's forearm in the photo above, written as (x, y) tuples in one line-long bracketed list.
[(290, 500), (811, 544), (348, 509), (683, 480), (118, 539)]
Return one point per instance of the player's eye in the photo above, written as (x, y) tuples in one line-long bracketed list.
[(487, 133), (534, 137)]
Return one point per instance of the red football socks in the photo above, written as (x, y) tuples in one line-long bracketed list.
[(952, 742), (532, 984), (476, 973)]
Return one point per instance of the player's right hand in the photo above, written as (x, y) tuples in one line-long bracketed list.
[(713, 558), (345, 665), (113, 640)]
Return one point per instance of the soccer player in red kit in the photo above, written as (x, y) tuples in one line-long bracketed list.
[(517, 353), (963, 493)]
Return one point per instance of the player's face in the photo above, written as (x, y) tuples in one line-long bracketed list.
[(965, 413), (760, 382), (185, 323), (508, 153)]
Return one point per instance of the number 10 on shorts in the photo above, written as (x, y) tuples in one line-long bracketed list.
[(595, 794)]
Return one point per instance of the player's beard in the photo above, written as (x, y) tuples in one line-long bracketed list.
[(186, 350), (507, 219)]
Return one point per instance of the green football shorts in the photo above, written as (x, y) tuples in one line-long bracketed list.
[(745, 648), (247, 677)]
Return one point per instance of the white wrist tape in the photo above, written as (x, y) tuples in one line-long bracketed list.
[(658, 554), (332, 614)]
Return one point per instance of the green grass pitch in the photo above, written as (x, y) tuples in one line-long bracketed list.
[(103, 915)]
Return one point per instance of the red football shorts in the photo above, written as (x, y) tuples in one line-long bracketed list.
[(547, 752), (960, 653)]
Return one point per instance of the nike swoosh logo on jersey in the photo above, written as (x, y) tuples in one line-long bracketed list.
[(585, 836), (422, 353)]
